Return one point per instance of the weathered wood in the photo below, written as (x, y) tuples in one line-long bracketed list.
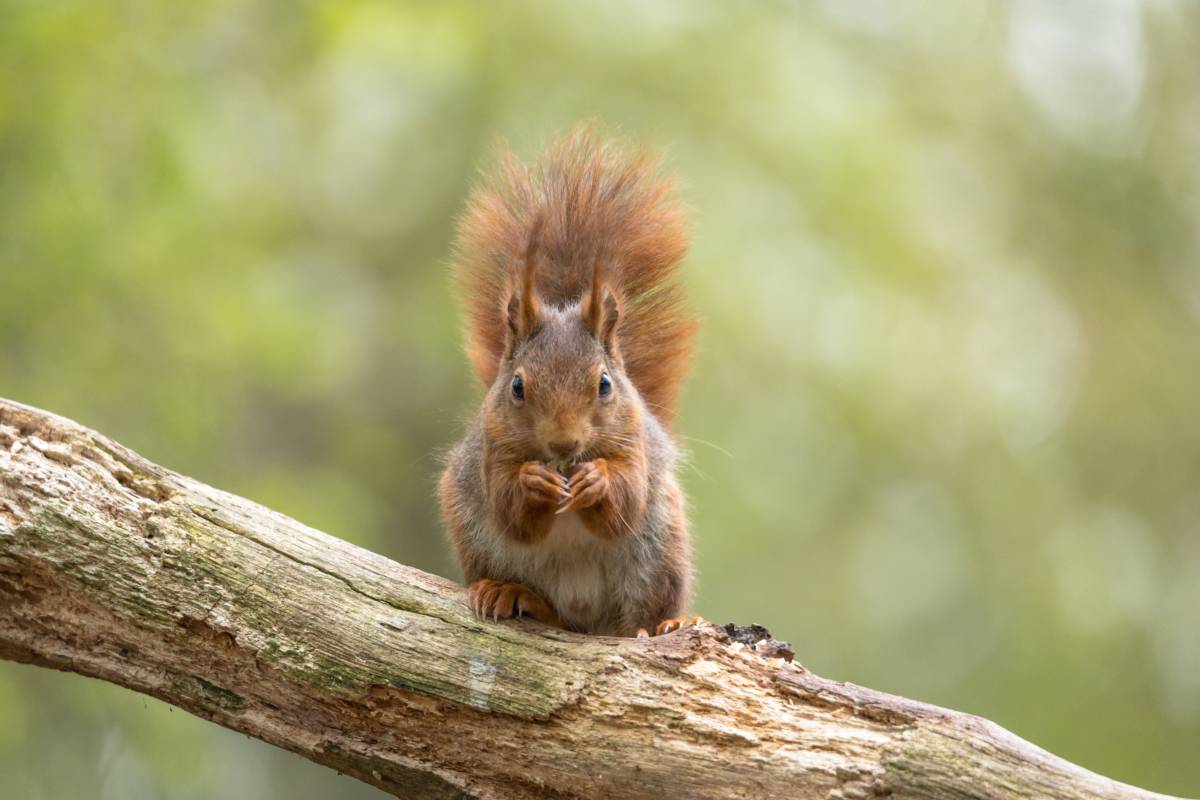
[(113, 567)]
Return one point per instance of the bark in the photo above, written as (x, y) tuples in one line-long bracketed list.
[(116, 568)]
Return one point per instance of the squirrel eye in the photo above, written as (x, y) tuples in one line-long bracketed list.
[(518, 388), (605, 384)]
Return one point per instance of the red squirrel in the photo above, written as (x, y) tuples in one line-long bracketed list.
[(561, 501)]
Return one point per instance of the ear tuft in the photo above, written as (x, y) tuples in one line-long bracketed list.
[(600, 307), (610, 315), (513, 313), (524, 309)]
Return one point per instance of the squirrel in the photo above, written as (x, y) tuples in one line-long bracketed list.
[(561, 501)]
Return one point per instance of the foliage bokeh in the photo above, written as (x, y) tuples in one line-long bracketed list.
[(943, 425)]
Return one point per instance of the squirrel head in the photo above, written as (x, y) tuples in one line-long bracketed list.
[(561, 394)]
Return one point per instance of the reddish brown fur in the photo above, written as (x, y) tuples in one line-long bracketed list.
[(597, 205), (529, 515), (620, 507)]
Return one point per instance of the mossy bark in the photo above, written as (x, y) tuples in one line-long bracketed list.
[(113, 567)]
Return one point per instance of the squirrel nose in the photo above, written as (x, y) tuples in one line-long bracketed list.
[(565, 447)]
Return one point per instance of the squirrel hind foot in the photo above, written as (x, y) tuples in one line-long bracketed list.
[(670, 625), (497, 600)]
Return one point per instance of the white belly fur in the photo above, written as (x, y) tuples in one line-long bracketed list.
[(570, 568)]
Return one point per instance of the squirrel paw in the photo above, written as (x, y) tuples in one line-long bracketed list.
[(589, 483), (543, 485), (499, 600), (672, 624)]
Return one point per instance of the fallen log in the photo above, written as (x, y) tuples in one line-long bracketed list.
[(116, 568)]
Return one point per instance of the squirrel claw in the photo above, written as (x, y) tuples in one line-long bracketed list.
[(499, 600), (676, 623), (542, 484), (588, 484)]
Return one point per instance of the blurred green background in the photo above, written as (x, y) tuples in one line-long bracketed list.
[(943, 425)]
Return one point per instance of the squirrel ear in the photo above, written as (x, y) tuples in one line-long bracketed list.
[(524, 311), (601, 308), (610, 316), (601, 312)]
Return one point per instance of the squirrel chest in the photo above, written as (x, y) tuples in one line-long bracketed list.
[(573, 569)]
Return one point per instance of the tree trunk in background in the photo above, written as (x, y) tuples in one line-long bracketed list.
[(118, 569)]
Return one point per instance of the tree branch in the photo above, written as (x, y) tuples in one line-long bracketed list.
[(113, 567)]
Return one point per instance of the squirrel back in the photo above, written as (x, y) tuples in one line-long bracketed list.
[(588, 205)]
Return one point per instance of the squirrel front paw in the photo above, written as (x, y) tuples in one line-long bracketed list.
[(542, 485), (501, 600), (588, 485)]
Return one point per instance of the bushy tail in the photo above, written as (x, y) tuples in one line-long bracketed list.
[(598, 203)]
